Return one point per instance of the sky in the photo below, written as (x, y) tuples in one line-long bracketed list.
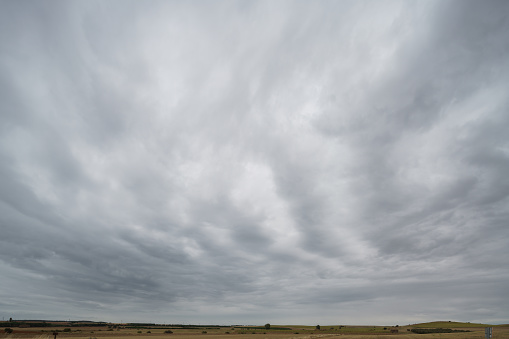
[(252, 162)]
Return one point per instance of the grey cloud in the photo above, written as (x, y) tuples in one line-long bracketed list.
[(239, 161)]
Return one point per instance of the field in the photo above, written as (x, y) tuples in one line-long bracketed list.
[(276, 332)]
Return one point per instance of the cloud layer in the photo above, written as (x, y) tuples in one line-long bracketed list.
[(251, 162)]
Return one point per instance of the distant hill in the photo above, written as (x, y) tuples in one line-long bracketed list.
[(447, 324)]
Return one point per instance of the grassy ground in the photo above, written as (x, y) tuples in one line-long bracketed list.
[(296, 332)]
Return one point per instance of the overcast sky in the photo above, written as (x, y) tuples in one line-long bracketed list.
[(245, 162)]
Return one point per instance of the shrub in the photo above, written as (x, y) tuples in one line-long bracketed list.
[(168, 331), (139, 332), (67, 329), (204, 332), (8, 330), (149, 332)]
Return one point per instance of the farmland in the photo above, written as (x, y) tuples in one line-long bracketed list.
[(153, 331)]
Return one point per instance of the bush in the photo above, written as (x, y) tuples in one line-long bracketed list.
[(168, 331), (67, 329), (204, 332), (149, 332), (139, 332), (8, 330)]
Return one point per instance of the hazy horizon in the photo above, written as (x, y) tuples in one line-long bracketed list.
[(228, 325)]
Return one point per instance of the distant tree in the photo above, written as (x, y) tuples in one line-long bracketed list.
[(318, 327), (267, 326)]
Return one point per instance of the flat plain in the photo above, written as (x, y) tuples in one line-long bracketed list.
[(475, 331)]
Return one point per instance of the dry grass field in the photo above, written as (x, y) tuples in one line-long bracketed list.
[(295, 332)]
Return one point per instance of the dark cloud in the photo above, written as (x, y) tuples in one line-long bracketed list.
[(290, 162)]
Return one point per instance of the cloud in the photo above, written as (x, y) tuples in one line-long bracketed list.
[(238, 162)]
